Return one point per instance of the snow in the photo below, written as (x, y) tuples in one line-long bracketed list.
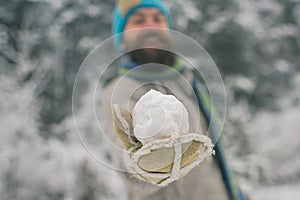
[(277, 192), (264, 143), (157, 115), (271, 167)]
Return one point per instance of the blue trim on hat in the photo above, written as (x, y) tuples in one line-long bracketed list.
[(119, 21)]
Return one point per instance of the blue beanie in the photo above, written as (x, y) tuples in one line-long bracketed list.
[(121, 15)]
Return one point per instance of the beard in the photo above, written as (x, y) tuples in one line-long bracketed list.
[(141, 54), (152, 55)]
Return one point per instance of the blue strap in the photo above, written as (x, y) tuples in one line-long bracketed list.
[(205, 106)]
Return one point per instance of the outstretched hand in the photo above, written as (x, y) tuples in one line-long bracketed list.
[(160, 161)]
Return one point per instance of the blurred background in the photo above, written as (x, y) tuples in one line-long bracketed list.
[(255, 44)]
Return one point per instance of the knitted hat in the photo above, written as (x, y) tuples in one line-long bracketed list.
[(125, 8)]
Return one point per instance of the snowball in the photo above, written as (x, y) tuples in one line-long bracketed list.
[(157, 116)]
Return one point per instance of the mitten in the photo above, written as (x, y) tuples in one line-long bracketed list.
[(160, 161)]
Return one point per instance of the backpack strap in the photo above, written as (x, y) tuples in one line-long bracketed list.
[(212, 119)]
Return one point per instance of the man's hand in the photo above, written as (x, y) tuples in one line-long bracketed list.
[(160, 161)]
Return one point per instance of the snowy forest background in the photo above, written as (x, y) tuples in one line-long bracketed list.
[(255, 44)]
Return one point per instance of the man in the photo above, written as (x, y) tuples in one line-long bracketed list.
[(147, 39)]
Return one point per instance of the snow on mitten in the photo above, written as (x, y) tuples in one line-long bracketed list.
[(161, 160)]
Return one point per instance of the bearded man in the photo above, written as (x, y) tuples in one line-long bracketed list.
[(142, 29)]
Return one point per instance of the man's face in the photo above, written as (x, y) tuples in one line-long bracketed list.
[(150, 33)]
